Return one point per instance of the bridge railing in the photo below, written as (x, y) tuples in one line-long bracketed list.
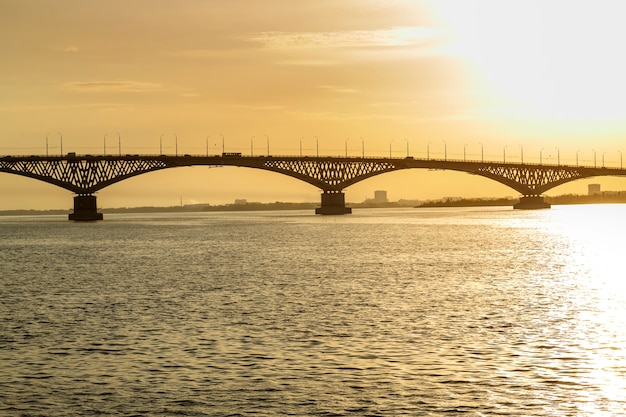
[(70, 155)]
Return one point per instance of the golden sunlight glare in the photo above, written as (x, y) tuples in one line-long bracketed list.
[(555, 60)]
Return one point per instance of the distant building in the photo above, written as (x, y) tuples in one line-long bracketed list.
[(241, 202), (380, 197), (594, 189)]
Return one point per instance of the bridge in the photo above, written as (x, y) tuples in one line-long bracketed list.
[(86, 174)]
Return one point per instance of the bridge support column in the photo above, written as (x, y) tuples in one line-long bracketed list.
[(333, 202), (85, 209), (531, 202)]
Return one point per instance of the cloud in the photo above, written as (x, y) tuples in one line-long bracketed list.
[(259, 107), (337, 89), (68, 49), (118, 85), (208, 53), (399, 36)]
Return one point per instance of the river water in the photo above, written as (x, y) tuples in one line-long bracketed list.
[(421, 312)]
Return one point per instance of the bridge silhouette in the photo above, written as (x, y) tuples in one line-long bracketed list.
[(86, 174)]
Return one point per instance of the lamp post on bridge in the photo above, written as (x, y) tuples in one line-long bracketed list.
[(317, 146), (362, 147), (175, 143), (407, 147), (603, 153), (390, 148), (61, 142), (251, 146), (594, 159), (267, 138), (207, 145), (161, 145), (504, 154), (445, 151), (47, 143), (347, 139), (621, 165), (119, 144), (482, 152), (104, 152), (428, 150), (577, 151), (558, 156), (464, 153), (521, 154)]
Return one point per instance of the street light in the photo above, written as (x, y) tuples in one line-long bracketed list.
[(47, 143), (176, 142), (362, 147), (207, 145), (390, 148), (428, 150), (347, 139), (521, 154), (464, 152), (594, 159), (482, 152), (161, 145), (504, 154), (603, 153), (61, 142), (119, 143), (577, 150), (317, 146), (558, 156), (267, 138), (407, 146), (251, 146), (621, 165), (445, 151)]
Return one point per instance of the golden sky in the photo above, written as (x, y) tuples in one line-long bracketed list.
[(534, 76)]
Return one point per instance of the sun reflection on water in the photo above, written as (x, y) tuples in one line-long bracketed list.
[(596, 261)]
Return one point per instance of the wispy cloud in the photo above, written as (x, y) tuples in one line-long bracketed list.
[(337, 89), (48, 107), (67, 49), (117, 85), (400, 36), (208, 53), (259, 107)]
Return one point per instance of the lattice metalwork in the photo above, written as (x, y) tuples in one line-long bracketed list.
[(329, 173), (82, 176), (531, 181), (87, 174)]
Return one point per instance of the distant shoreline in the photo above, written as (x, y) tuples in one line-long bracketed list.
[(603, 198)]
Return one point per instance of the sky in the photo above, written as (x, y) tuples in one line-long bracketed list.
[(508, 77)]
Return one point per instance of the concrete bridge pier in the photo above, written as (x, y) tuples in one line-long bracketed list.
[(531, 202), (333, 203), (85, 208)]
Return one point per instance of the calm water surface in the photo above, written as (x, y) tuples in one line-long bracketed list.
[(421, 312)]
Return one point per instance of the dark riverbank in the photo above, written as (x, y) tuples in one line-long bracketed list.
[(603, 198)]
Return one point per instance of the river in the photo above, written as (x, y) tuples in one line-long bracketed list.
[(385, 312)]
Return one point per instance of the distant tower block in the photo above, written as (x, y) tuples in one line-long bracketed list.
[(380, 196), (594, 189)]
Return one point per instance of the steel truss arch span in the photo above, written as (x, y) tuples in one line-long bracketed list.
[(81, 175), (85, 175)]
